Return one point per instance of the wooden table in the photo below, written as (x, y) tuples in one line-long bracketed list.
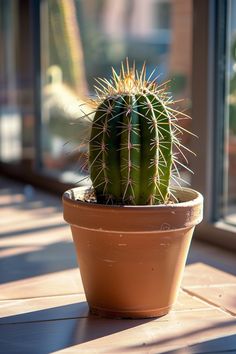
[(42, 304)]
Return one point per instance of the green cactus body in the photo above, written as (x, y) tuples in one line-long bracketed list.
[(130, 150), (131, 146)]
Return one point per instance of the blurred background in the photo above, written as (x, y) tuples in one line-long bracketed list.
[(51, 50)]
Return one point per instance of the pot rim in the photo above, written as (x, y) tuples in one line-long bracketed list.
[(193, 198), (133, 218)]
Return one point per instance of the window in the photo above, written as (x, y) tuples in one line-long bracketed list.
[(81, 40), (230, 118), (16, 81), (53, 49), (212, 118)]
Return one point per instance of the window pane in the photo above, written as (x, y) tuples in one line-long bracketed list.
[(10, 117), (230, 199), (82, 39), (16, 94)]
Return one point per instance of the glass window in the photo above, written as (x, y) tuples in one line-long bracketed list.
[(213, 117), (16, 94), (230, 171), (10, 115), (82, 39)]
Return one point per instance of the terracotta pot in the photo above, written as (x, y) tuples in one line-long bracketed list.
[(132, 257)]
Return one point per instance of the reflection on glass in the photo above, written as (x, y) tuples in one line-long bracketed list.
[(10, 142), (230, 198), (82, 39), (64, 90), (16, 94), (10, 119)]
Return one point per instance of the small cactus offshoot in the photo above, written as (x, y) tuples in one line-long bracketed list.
[(131, 147)]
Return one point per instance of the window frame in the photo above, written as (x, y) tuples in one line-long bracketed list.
[(208, 110)]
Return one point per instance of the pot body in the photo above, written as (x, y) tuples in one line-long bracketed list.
[(132, 258)]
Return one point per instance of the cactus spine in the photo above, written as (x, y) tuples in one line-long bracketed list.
[(131, 157)]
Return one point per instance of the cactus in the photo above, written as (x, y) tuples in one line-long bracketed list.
[(134, 131)]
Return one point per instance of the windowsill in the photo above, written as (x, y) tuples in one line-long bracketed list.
[(219, 233), (43, 307)]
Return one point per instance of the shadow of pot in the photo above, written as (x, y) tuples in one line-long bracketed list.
[(132, 258)]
